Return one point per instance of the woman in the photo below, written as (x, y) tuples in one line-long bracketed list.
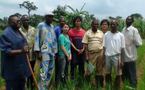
[(64, 52), (78, 56), (104, 25), (14, 48)]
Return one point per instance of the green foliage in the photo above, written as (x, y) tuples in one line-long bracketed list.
[(140, 25), (137, 16), (35, 20), (3, 23), (69, 15)]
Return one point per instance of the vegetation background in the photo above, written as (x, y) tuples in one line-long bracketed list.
[(69, 15)]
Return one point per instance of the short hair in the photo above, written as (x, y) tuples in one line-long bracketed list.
[(115, 21), (132, 18), (105, 20), (63, 26), (10, 18), (60, 19), (94, 20), (24, 16), (75, 18)]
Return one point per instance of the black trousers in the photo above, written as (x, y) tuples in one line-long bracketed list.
[(18, 84), (129, 73), (77, 60)]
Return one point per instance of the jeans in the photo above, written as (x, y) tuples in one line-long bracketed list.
[(61, 68)]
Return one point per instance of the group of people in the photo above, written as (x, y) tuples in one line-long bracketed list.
[(62, 46)]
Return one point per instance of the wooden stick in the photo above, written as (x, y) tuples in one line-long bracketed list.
[(35, 81)]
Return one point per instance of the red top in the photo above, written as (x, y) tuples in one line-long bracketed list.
[(76, 37)]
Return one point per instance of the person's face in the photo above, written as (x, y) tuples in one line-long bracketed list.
[(104, 26), (65, 28), (114, 25), (95, 25), (49, 19), (25, 20), (15, 23), (129, 21), (78, 23), (62, 22)]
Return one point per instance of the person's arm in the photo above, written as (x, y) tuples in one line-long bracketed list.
[(122, 49), (38, 42), (74, 47), (25, 49), (86, 51), (6, 46), (65, 52), (61, 41), (137, 38)]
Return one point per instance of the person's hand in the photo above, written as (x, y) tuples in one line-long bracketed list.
[(69, 57), (81, 51), (25, 49), (78, 50)]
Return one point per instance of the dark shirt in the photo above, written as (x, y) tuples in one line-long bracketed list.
[(13, 66)]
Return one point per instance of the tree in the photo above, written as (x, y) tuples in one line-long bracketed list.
[(18, 14), (3, 23), (35, 19), (69, 15), (137, 16), (59, 12), (29, 6)]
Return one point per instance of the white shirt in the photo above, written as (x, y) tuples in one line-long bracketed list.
[(113, 43), (132, 40)]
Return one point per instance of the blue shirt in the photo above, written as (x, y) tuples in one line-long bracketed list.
[(57, 30), (13, 67)]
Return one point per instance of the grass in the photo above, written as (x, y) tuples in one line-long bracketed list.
[(81, 84)]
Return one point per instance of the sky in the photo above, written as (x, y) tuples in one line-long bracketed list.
[(100, 8)]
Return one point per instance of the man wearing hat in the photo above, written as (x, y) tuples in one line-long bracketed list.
[(46, 48)]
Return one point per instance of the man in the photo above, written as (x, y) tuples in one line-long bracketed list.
[(132, 40), (58, 30), (114, 45), (93, 41), (46, 46), (14, 48), (29, 33)]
